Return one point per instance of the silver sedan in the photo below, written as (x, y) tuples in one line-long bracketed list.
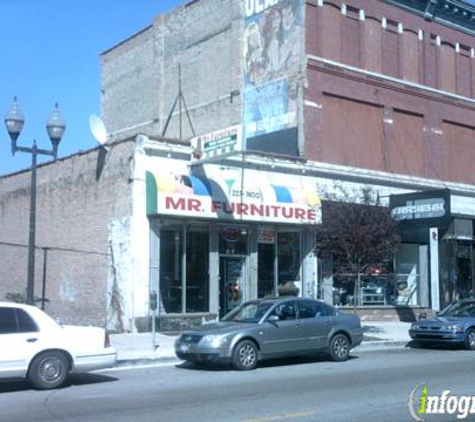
[(271, 328)]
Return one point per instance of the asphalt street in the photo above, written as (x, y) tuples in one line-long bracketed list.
[(371, 386)]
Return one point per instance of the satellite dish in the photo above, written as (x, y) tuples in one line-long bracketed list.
[(98, 129)]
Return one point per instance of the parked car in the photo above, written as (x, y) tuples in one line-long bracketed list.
[(35, 347), (455, 324), (270, 328)]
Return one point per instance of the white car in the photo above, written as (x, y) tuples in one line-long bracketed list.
[(35, 347)]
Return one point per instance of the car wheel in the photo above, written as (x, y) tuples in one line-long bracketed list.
[(48, 370), (470, 339), (245, 355), (339, 348)]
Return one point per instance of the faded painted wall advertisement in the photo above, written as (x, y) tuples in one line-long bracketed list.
[(272, 50)]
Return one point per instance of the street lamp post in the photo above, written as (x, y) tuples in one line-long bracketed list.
[(55, 126)]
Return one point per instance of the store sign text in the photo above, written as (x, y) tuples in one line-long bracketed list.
[(419, 209), (266, 236), (241, 209)]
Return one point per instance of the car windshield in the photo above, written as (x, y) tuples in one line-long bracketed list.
[(248, 312), (460, 309)]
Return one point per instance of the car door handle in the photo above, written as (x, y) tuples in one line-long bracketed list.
[(31, 340), (298, 326)]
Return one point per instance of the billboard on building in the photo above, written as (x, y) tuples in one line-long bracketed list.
[(232, 194), (273, 42)]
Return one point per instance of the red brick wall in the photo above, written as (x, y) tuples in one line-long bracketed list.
[(365, 121)]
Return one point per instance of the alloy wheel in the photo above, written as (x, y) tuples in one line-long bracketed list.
[(247, 356), (341, 347), (471, 339)]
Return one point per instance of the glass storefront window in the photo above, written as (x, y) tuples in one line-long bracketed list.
[(377, 289), (232, 240), (288, 263), (171, 250), (188, 285), (464, 267), (456, 278), (265, 270), (383, 285), (197, 285), (407, 283)]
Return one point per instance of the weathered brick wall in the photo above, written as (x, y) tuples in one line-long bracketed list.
[(78, 199), (140, 76), (129, 87)]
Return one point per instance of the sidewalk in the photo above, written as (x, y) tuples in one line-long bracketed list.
[(137, 347), (379, 334)]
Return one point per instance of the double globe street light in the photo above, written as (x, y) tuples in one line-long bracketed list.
[(55, 126)]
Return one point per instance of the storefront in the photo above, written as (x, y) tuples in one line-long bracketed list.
[(221, 235), (436, 260), (433, 266)]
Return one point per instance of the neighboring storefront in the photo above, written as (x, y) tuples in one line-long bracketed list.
[(222, 234), (436, 261)]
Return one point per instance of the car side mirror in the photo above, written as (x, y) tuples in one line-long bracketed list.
[(272, 319)]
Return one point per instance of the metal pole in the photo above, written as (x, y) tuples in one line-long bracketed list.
[(180, 94), (43, 293), (154, 315), (30, 287)]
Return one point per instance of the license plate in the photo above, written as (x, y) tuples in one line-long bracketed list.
[(184, 348)]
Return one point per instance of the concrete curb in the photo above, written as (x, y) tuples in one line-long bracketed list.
[(146, 361), (368, 346), (383, 344)]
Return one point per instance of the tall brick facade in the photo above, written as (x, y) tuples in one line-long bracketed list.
[(379, 95), (413, 75), (412, 79)]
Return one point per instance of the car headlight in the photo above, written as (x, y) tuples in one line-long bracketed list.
[(415, 327), (454, 328), (215, 340)]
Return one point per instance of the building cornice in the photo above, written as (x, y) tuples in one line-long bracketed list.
[(454, 13)]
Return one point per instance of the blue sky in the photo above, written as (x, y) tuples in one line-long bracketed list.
[(50, 53)]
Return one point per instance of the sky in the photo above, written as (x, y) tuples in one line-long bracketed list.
[(50, 53)]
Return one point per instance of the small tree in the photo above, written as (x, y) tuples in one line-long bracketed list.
[(357, 231)]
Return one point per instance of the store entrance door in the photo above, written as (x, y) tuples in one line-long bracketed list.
[(231, 276)]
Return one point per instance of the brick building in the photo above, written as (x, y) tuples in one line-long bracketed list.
[(84, 213), (272, 104)]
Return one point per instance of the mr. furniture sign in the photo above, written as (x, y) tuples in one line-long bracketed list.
[(233, 194)]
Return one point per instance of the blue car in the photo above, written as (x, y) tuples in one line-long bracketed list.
[(455, 324)]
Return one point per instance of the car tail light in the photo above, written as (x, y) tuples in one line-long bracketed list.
[(107, 340)]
